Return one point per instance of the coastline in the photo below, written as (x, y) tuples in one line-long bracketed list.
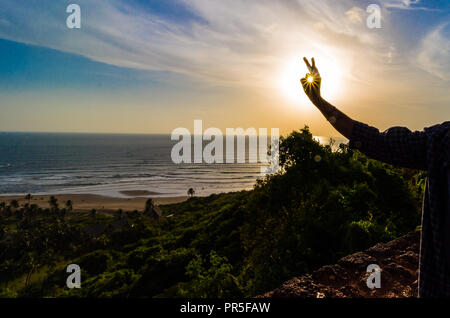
[(87, 202)]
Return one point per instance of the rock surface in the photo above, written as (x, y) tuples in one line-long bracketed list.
[(398, 260)]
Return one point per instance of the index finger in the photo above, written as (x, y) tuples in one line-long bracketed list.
[(307, 64)]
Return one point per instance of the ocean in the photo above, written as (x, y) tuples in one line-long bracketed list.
[(111, 165)]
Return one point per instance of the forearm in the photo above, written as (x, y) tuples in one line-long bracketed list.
[(397, 145), (341, 122)]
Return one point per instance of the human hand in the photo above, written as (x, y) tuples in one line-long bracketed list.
[(311, 82)]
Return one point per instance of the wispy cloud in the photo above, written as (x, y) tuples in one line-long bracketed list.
[(404, 5), (356, 15), (434, 53), (232, 42), (233, 39), (237, 49)]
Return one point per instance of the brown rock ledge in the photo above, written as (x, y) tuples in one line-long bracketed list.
[(398, 260)]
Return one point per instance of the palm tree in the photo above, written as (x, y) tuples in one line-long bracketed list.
[(14, 204), (53, 202), (69, 205), (28, 197), (149, 205), (191, 192)]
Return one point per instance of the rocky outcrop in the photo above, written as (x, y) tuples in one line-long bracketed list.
[(398, 261)]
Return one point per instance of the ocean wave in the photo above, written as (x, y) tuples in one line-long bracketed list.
[(11, 179), (99, 164), (131, 175), (60, 177), (82, 184)]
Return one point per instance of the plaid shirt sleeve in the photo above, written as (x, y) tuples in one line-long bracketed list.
[(397, 145)]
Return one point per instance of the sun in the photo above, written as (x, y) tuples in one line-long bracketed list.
[(294, 69)]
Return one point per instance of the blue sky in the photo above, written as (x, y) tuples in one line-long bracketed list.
[(151, 66), (28, 67)]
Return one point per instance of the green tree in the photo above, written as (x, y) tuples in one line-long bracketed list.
[(191, 192), (14, 204), (28, 198), (211, 279), (69, 205), (53, 202), (149, 205)]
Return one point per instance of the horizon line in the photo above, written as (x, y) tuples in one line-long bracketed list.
[(128, 133)]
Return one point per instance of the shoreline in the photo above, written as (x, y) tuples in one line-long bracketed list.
[(87, 202)]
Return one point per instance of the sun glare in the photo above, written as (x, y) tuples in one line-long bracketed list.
[(294, 69)]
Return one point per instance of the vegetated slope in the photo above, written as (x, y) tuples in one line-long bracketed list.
[(322, 206)]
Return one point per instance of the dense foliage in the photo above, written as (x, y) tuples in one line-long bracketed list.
[(322, 205)]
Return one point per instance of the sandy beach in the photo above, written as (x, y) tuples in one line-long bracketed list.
[(87, 202)]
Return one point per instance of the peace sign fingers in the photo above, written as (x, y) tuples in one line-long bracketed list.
[(310, 69)]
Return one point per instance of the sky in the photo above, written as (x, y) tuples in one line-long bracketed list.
[(146, 66)]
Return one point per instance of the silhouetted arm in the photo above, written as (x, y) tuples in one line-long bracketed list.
[(338, 119), (397, 145)]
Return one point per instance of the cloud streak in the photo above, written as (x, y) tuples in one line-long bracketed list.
[(434, 54), (234, 37), (404, 5), (231, 43)]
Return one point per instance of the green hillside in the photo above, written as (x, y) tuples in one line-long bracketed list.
[(323, 205)]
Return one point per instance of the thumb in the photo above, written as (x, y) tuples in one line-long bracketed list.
[(304, 83)]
